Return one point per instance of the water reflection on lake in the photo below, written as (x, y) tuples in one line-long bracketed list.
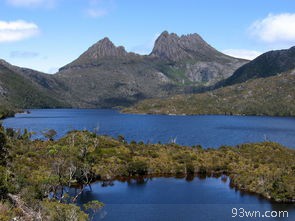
[(177, 199)]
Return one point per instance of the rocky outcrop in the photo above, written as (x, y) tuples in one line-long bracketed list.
[(105, 48), (186, 47), (194, 58)]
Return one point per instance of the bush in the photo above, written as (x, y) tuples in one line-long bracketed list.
[(138, 168), (190, 169), (55, 211), (3, 183)]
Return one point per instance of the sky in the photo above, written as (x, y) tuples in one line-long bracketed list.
[(47, 34)]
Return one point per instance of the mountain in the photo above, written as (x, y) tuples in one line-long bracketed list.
[(273, 96), (267, 64), (193, 60), (25, 88), (109, 76)]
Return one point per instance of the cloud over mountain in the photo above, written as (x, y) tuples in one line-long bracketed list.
[(278, 28)]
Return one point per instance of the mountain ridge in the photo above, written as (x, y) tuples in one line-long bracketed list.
[(266, 65), (176, 48), (113, 77), (17, 90), (107, 76)]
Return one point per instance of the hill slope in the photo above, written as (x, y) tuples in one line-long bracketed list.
[(267, 64), (18, 90), (273, 96)]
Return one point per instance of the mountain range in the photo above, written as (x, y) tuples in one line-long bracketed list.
[(264, 86), (108, 76)]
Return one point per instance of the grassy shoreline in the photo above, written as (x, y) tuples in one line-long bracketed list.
[(34, 168)]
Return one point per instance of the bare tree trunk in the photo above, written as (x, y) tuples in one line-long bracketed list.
[(76, 197), (28, 213)]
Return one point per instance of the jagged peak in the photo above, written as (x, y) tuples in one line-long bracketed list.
[(105, 48), (105, 40), (173, 47), (172, 34)]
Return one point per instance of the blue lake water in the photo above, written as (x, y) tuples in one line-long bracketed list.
[(208, 131), (169, 198), (175, 199)]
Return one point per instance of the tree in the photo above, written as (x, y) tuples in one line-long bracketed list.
[(94, 206), (55, 211), (3, 150)]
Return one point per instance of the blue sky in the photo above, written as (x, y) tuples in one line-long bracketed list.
[(47, 34)]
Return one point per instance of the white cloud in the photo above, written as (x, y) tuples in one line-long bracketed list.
[(17, 30), (242, 53), (31, 3), (278, 28)]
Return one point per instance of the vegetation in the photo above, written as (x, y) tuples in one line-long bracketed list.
[(36, 173), (273, 96), (6, 112), (18, 91), (268, 64)]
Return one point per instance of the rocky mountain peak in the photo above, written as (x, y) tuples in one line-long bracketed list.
[(104, 48), (4, 63), (176, 48)]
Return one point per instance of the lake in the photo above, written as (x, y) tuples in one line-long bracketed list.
[(169, 198), (176, 199), (208, 130)]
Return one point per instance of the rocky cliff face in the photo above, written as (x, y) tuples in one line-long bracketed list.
[(186, 47), (104, 48), (194, 59)]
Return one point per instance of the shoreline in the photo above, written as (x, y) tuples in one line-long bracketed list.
[(81, 158), (206, 114), (125, 110)]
